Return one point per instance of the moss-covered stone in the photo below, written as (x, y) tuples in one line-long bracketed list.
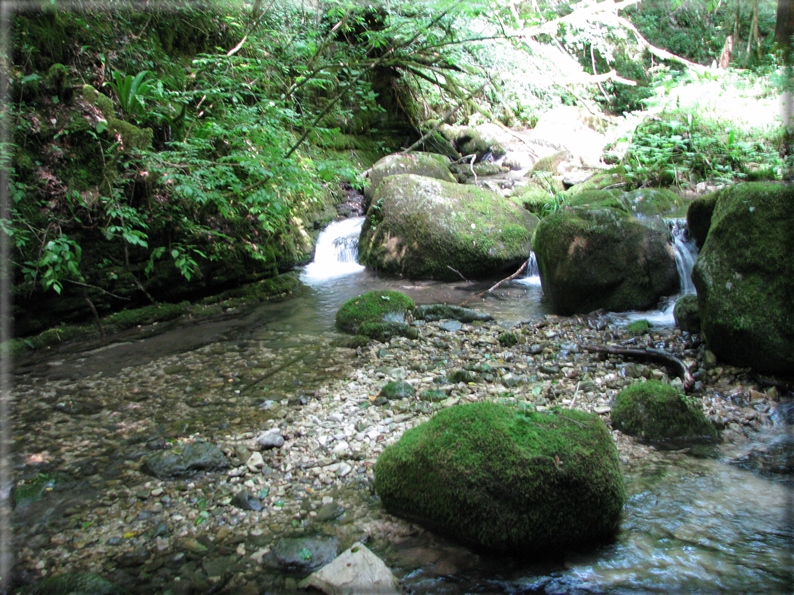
[(383, 331), (686, 313), (744, 277), (603, 258), (657, 412), (460, 375), (698, 217), (466, 171), (428, 165), (373, 306), (508, 339), (131, 136), (351, 342), (74, 583), (551, 163), (499, 477), (613, 179), (532, 197), (639, 327), (147, 315), (433, 395), (397, 390), (420, 227), (432, 312), (652, 201)]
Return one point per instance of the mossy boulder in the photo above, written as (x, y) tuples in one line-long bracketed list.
[(657, 412), (532, 197), (131, 136), (607, 180), (698, 217), (505, 478), (397, 390), (423, 228), (686, 313), (74, 583), (373, 307), (429, 165), (652, 201), (434, 312), (603, 258), (744, 277)]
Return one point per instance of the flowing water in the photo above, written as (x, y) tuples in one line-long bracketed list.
[(694, 524)]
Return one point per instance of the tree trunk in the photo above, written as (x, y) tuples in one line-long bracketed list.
[(784, 28)]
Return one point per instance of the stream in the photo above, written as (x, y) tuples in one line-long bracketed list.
[(694, 522)]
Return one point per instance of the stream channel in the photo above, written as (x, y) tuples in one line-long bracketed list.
[(693, 522)]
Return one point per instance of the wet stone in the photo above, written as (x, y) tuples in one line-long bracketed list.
[(185, 461), (329, 512), (245, 500), (302, 554)]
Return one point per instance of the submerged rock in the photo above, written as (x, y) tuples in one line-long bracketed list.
[(745, 277), (656, 412), (356, 570), (506, 478), (423, 229), (75, 583), (397, 390), (599, 256), (302, 554), (185, 460), (433, 312)]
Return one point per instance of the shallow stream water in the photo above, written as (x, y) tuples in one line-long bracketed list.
[(693, 523)]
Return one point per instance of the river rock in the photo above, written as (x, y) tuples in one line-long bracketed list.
[(686, 313), (270, 439), (397, 390), (505, 478), (657, 412), (185, 460), (745, 277), (75, 583), (245, 500), (423, 228), (599, 256), (302, 554), (428, 165), (356, 570), (431, 312), (373, 307)]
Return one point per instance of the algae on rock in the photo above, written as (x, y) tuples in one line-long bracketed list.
[(506, 478)]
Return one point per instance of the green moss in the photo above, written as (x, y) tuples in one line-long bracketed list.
[(132, 137), (397, 390), (500, 477), (651, 201), (147, 314), (607, 180), (465, 376), (551, 163), (508, 339), (639, 327), (433, 312), (597, 199), (373, 306), (433, 395), (351, 342), (74, 583), (657, 412), (533, 198)]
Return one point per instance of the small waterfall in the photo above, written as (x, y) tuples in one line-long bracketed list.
[(336, 253), (532, 276), (685, 253)]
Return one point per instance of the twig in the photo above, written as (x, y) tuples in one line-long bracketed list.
[(93, 310), (118, 297), (576, 392), (459, 273), (510, 278), (650, 354)]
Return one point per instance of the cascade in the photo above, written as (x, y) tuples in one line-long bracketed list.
[(336, 252), (532, 276), (685, 253)]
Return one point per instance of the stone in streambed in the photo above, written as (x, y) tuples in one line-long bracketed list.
[(397, 390), (302, 554), (686, 313), (505, 478), (245, 500), (657, 412), (185, 460), (270, 439), (432, 312), (356, 570), (74, 583)]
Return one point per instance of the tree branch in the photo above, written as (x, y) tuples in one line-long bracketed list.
[(656, 355), (510, 278)]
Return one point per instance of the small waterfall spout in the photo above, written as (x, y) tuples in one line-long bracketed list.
[(532, 276), (685, 253), (336, 253)]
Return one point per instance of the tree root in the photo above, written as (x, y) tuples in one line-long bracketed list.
[(655, 355)]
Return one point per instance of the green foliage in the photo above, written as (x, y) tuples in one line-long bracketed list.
[(682, 148), (639, 327), (131, 92), (508, 339)]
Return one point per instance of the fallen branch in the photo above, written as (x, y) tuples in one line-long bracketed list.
[(520, 270), (656, 355), (459, 273)]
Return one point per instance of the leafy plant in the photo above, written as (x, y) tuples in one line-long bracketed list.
[(130, 92)]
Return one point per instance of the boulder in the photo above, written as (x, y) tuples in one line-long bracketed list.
[(656, 412), (505, 478), (744, 277), (356, 570), (375, 313), (185, 460), (698, 217), (429, 165), (602, 257), (686, 313), (423, 228)]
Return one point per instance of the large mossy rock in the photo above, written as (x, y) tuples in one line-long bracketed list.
[(698, 217), (376, 314), (423, 228), (429, 165), (744, 277), (602, 257), (657, 412), (503, 478)]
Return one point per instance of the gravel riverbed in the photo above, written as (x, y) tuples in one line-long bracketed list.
[(79, 444)]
